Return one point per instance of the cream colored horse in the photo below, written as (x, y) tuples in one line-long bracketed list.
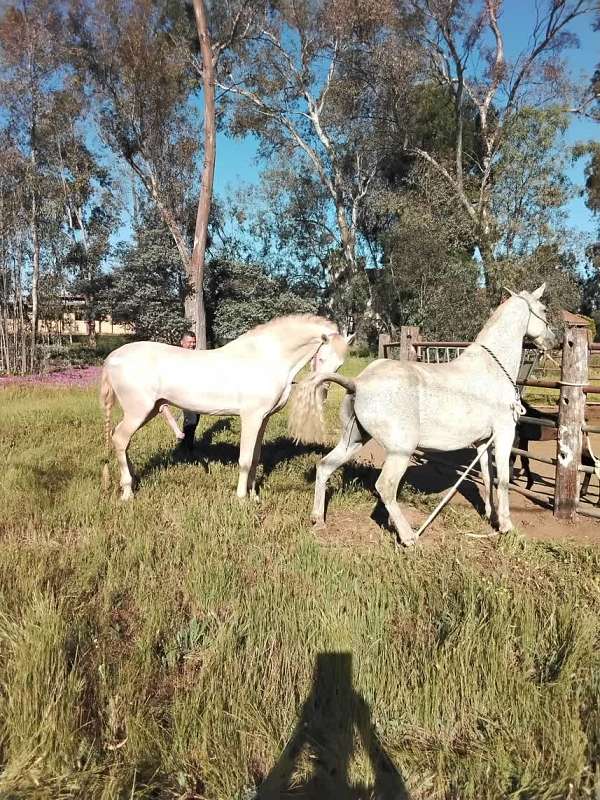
[(250, 377), (404, 405)]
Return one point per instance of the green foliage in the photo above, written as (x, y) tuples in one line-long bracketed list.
[(591, 150), (428, 275), (240, 296), (531, 183), (429, 120), (165, 648), (148, 289), (81, 354)]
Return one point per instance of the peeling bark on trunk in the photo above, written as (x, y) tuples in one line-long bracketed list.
[(210, 142), (35, 280)]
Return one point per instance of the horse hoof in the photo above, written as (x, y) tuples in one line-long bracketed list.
[(318, 523), (408, 541), (126, 495)]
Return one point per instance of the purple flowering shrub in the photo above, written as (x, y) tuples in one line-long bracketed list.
[(84, 376)]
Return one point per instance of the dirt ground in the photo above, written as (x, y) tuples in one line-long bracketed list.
[(533, 519)]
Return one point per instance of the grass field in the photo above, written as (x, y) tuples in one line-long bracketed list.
[(166, 648)]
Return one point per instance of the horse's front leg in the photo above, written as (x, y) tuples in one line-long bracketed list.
[(250, 441), (503, 440), (256, 459)]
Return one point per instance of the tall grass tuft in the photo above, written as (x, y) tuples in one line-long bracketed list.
[(40, 702)]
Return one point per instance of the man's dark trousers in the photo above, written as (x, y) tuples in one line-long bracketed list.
[(190, 423)]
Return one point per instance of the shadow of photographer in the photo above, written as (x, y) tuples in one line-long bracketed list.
[(325, 731)]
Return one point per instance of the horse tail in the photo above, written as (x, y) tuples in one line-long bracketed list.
[(107, 400), (305, 420)]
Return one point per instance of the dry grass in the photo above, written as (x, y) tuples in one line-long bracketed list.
[(165, 648)]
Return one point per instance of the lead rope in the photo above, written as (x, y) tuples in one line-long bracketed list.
[(517, 406), (453, 489)]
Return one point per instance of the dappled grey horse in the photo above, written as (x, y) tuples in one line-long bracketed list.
[(404, 405), (251, 377)]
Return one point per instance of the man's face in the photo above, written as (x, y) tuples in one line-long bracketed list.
[(189, 342)]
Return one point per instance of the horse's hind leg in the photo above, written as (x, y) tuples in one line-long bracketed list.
[(387, 488), (121, 438), (523, 444), (351, 440), (488, 478), (171, 421), (253, 425), (528, 472), (585, 485)]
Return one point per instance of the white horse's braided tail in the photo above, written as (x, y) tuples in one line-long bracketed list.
[(107, 400), (305, 419)]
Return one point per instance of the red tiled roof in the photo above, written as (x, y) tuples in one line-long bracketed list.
[(574, 319)]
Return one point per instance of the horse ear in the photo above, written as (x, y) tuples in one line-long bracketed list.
[(539, 292), (350, 338)]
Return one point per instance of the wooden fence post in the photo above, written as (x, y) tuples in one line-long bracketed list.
[(384, 338), (409, 335), (571, 416)]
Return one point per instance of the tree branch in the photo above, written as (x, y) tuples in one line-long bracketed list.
[(450, 180)]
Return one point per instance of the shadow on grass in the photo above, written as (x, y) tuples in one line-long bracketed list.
[(274, 452), (426, 477), (52, 480), (329, 717)]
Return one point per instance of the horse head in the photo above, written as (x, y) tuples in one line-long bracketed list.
[(538, 328), (331, 353)]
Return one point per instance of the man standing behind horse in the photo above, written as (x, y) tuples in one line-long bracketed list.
[(190, 418)]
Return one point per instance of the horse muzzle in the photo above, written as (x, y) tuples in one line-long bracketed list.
[(547, 342)]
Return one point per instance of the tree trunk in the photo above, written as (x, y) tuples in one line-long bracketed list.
[(35, 280), (486, 252), (91, 322), (208, 172), (348, 238), (90, 306)]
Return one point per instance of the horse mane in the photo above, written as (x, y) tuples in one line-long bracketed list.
[(293, 320), (493, 318)]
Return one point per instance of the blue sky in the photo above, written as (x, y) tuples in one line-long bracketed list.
[(517, 21), (236, 158)]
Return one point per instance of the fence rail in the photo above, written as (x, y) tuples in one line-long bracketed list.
[(542, 423), (442, 344)]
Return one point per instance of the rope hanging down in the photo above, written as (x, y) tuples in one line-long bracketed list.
[(517, 406), (453, 489)]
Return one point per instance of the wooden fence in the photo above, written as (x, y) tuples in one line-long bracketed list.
[(573, 386)]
